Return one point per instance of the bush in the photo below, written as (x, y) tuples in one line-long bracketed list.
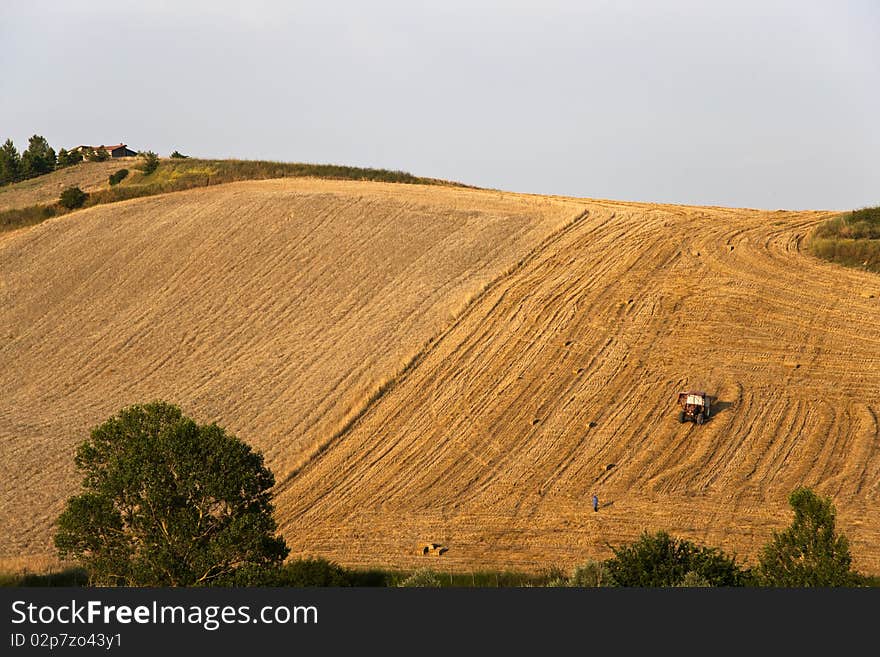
[(662, 560), (150, 163), (373, 577), (116, 178), (72, 198), (424, 578), (67, 577), (591, 574), (313, 572), (692, 579), (179, 156)]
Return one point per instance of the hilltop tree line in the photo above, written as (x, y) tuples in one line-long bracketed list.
[(40, 158), (37, 159)]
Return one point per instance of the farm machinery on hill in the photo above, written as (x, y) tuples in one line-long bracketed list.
[(695, 406)]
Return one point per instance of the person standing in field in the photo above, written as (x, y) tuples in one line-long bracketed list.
[(595, 502)]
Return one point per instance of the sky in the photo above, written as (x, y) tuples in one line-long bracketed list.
[(749, 103)]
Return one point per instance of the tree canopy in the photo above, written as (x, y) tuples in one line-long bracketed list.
[(39, 158), (99, 154), (810, 552), (150, 163), (10, 163), (72, 197), (664, 560), (168, 502), (69, 158)]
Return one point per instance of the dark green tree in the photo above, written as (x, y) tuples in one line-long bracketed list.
[(99, 154), (150, 163), (177, 155), (10, 163), (38, 159), (810, 552), (663, 560), (72, 198), (68, 158), (168, 502)]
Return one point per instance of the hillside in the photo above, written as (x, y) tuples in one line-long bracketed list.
[(851, 239), (43, 190), (453, 365), (562, 382), (275, 308), (32, 201)]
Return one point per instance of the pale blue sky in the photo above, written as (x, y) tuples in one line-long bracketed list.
[(754, 103)]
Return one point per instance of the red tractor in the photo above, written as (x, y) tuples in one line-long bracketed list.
[(695, 406)]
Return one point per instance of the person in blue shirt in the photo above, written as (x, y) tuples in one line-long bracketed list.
[(595, 502)]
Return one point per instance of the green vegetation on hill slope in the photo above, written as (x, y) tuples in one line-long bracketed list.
[(851, 239), (180, 174)]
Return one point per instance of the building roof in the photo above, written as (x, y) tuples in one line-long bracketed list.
[(107, 148)]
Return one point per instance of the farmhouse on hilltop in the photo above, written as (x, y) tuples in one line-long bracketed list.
[(119, 150)]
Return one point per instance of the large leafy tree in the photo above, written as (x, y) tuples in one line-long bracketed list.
[(168, 502), (663, 560), (39, 158), (810, 552), (10, 163)]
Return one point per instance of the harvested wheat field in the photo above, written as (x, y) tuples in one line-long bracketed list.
[(426, 365), (277, 309), (44, 190), (561, 382)]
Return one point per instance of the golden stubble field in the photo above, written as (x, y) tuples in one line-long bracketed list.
[(561, 382), (276, 309), (530, 350)]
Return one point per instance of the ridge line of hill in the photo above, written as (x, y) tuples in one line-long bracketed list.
[(428, 346), (181, 175)]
